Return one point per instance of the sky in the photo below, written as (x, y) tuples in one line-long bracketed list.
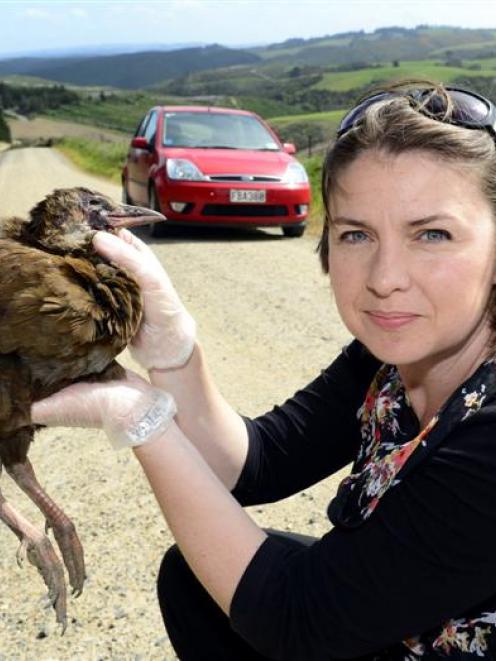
[(27, 25)]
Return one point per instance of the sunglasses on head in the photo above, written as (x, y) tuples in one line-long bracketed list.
[(468, 109)]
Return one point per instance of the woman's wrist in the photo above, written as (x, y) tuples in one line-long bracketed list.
[(190, 351), (166, 340), (152, 423)]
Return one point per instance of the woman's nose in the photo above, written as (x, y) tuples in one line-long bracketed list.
[(388, 270)]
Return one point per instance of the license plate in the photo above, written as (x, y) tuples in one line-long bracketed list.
[(247, 196)]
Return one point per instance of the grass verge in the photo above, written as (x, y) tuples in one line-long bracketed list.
[(104, 159), (313, 166)]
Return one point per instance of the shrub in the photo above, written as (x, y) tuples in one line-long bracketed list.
[(4, 129)]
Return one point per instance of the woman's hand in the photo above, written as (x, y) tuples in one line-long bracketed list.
[(167, 333), (130, 411)]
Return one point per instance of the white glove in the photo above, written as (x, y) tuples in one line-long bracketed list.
[(131, 411), (167, 334)]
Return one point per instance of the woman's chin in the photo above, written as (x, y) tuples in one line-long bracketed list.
[(394, 351)]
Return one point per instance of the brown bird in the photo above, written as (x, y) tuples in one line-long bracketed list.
[(65, 313)]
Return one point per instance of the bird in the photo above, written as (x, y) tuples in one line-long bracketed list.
[(65, 314)]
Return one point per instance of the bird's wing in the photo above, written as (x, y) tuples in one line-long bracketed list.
[(45, 308)]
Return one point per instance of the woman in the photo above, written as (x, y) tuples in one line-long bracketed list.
[(409, 569)]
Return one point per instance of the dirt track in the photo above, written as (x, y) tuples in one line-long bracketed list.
[(266, 319)]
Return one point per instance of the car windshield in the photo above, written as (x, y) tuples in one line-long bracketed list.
[(215, 130)]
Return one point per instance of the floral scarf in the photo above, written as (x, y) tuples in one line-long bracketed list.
[(392, 445), (387, 453)]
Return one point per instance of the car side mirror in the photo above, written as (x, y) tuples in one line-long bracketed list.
[(289, 148), (141, 143)]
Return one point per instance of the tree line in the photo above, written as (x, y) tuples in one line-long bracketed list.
[(32, 100), (4, 129)]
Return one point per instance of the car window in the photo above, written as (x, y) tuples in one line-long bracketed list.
[(151, 127), (210, 130), (140, 131)]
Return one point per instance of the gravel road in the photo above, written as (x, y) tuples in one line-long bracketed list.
[(268, 323)]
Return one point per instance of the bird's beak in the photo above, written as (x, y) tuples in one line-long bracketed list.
[(126, 215)]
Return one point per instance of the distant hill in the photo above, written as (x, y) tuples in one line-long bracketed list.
[(384, 44), (263, 71), (102, 49), (130, 70)]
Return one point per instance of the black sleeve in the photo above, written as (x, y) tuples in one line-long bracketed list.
[(311, 436), (427, 554)]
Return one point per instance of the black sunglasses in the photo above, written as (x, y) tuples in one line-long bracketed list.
[(469, 109)]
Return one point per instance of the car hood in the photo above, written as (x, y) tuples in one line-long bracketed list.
[(235, 161)]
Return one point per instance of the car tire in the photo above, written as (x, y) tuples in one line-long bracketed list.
[(125, 195), (293, 231), (154, 229)]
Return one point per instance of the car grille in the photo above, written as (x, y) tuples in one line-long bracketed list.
[(243, 210), (247, 178)]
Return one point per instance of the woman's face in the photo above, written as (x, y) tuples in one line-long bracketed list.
[(412, 257)]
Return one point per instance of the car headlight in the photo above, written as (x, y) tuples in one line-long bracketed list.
[(295, 174), (184, 170)]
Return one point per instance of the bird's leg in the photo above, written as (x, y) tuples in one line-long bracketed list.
[(39, 551), (63, 528)]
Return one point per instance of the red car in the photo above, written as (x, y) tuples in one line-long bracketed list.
[(215, 166)]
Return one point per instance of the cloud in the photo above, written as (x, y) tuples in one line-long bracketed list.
[(35, 13), (77, 12)]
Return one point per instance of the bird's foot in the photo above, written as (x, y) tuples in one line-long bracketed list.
[(72, 552), (40, 553), (63, 529)]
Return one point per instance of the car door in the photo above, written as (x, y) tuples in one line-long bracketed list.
[(141, 159), (133, 182)]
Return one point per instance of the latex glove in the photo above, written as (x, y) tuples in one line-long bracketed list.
[(167, 334), (130, 411)]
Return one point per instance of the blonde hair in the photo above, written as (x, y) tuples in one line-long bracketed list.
[(397, 124)]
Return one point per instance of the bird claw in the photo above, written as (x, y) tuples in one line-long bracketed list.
[(22, 553), (64, 625), (41, 554), (72, 554), (37, 548)]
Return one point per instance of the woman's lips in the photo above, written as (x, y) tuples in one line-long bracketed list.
[(391, 320)]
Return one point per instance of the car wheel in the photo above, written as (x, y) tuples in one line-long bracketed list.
[(125, 195), (293, 231), (154, 229)]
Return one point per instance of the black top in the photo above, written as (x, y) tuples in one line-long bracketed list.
[(421, 565)]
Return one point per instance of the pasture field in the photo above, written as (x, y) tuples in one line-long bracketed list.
[(119, 112), (340, 81), (330, 117)]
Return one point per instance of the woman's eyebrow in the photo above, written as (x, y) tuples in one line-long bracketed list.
[(344, 220), (431, 219)]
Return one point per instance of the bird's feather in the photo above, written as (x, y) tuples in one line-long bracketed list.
[(60, 307)]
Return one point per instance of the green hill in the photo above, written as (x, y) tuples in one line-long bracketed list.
[(252, 70), (384, 44), (129, 71)]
